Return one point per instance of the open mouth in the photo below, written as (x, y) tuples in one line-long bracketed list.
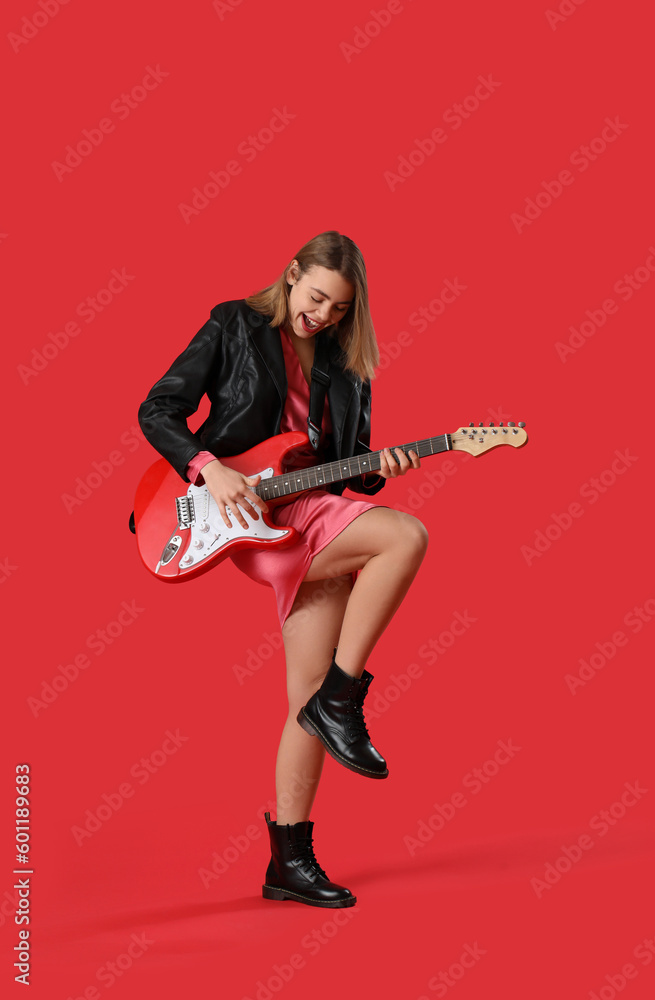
[(309, 325)]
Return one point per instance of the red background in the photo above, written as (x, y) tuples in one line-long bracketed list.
[(491, 354)]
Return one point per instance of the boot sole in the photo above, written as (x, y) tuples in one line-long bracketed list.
[(310, 728), (270, 892)]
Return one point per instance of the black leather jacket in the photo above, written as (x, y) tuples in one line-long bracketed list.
[(237, 359)]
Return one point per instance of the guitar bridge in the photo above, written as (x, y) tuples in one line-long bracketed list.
[(185, 511)]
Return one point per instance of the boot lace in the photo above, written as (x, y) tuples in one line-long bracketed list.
[(303, 851), (355, 712)]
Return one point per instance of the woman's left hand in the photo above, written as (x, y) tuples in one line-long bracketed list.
[(389, 467)]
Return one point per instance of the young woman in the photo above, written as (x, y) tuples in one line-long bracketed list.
[(340, 583)]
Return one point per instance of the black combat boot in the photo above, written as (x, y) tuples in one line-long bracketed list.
[(294, 872), (335, 714)]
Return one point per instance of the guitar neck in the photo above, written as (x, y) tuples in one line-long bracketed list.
[(346, 468)]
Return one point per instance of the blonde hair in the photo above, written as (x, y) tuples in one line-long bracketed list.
[(354, 331)]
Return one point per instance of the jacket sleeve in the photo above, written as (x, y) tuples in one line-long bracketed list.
[(163, 414), (369, 484)]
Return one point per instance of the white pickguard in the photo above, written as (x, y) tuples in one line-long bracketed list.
[(209, 533)]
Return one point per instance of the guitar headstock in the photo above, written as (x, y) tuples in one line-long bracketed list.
[(477, 440)]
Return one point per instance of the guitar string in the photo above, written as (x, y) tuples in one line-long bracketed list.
[(281, 485), (278, 486)]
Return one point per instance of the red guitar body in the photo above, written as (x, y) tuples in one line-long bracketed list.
[(198, 550)]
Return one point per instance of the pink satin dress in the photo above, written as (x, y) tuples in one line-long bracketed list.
[(318, 516)]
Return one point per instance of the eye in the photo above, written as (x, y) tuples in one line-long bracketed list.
[(342, 309)]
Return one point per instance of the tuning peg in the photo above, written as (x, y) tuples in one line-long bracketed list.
[(491, 423), (521, 423), (471, 424), (480, 424), (500, 424), (510, 423)]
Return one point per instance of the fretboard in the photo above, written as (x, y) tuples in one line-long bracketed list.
[(345, 468)]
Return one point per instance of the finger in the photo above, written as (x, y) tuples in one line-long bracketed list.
[(257, 501), (391, 462), (404, 461), (249, 506), (416, 461), (236, 513), (223, 510), (384, 465), (254, 497)]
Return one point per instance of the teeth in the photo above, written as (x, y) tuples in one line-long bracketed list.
[(309, 322)]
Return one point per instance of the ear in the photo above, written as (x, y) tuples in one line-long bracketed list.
[(292, 274)]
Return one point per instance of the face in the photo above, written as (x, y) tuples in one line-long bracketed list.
[(320, 297)]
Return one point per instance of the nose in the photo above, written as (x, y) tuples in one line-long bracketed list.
[(323, 314)]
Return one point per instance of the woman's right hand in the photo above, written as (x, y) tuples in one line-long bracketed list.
[(229, 488)]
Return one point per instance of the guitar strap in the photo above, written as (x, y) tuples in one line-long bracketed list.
[(318, 387)]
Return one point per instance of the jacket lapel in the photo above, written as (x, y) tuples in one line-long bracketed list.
[(266, 342), (341, 392)]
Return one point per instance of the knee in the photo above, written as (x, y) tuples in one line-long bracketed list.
[(414, 536)]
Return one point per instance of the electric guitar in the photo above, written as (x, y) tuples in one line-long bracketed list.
[(180, 537)]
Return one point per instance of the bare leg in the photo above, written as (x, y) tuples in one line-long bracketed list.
[(310, 634), (387, 547)]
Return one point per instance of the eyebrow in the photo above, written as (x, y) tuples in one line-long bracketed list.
[(344, 302)]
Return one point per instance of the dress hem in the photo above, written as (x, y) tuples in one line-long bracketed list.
[(311, 555)]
